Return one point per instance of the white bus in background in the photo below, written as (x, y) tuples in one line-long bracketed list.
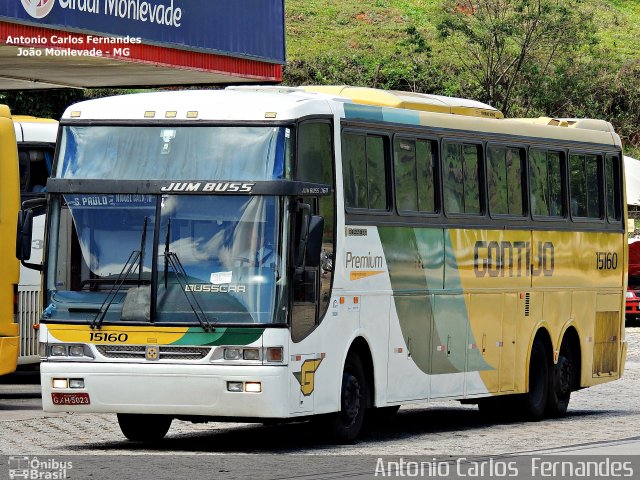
[(36, 139)]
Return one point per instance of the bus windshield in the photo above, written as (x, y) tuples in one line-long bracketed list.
[(175, 152), (217, 258)]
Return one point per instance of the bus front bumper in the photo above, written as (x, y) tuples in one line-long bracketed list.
[(168, 389)]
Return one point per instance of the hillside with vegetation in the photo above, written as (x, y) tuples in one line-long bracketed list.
[(561, 58)]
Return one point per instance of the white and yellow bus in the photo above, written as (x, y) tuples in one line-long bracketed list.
[(36, 138), (282, 253), (9, 267)]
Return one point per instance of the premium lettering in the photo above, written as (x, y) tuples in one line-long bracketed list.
[(363, 261)]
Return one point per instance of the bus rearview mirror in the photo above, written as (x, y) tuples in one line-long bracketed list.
[(303, 216), (314, 241), (24, 235)]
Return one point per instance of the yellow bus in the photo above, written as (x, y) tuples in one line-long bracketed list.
[(36, 139), (9, 267), (283, 253)]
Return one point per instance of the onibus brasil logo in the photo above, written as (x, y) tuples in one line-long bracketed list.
[(38, 8)]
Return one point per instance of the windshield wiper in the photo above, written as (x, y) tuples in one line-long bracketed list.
[(136, 258), (143, 241), (170, 258), (166, 253)]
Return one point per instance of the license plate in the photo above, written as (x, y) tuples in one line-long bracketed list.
[(70, 398)]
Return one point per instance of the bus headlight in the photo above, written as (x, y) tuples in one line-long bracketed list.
[(60, 383), (70, 352), (76, 351), (237, 387), (253, 387), (251, 354), (249, 387), (264, 355), (76, 383), (233, 354), (58, 350)]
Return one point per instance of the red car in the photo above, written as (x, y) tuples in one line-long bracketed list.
[(632, 310), (633, 302)]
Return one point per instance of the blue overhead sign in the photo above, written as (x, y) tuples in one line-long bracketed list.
[(245, 28)]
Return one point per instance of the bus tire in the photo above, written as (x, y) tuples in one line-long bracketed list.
[(535, 400), (561, 382), (346, 424), (144, 428)]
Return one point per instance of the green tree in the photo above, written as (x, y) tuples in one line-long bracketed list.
[(497, 41), (41, 103)]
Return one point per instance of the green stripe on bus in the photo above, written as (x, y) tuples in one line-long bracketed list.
[(435, 328), (222, 336)]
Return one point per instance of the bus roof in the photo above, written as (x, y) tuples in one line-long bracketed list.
[(409, 100), (201, 105), (260, 103), (34, 129)]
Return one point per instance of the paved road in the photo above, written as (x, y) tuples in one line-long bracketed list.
[(602, 420)]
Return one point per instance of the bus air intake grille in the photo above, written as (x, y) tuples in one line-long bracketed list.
[(527, 304), (167, 352), (29, 312)]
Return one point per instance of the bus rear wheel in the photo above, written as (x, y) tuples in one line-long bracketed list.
[(561, 383), (144, 428), (535, 400), (346, 424)]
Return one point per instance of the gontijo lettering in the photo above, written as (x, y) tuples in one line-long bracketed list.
[(513, 259)]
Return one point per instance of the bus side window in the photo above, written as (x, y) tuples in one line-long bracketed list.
[(546, 183), (504, 180), (312, 291), (584, 186), (365, 171), (612, 174), (35, 163), (355, 170), (460, 177), (376, 173), (426, 151), (39, 170), (414, 174), (23, 158)]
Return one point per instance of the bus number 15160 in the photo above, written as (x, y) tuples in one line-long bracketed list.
[(606, 260), (108, 337)]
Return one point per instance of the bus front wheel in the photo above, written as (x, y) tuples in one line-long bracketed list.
[(144, 428), (346, 424)]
